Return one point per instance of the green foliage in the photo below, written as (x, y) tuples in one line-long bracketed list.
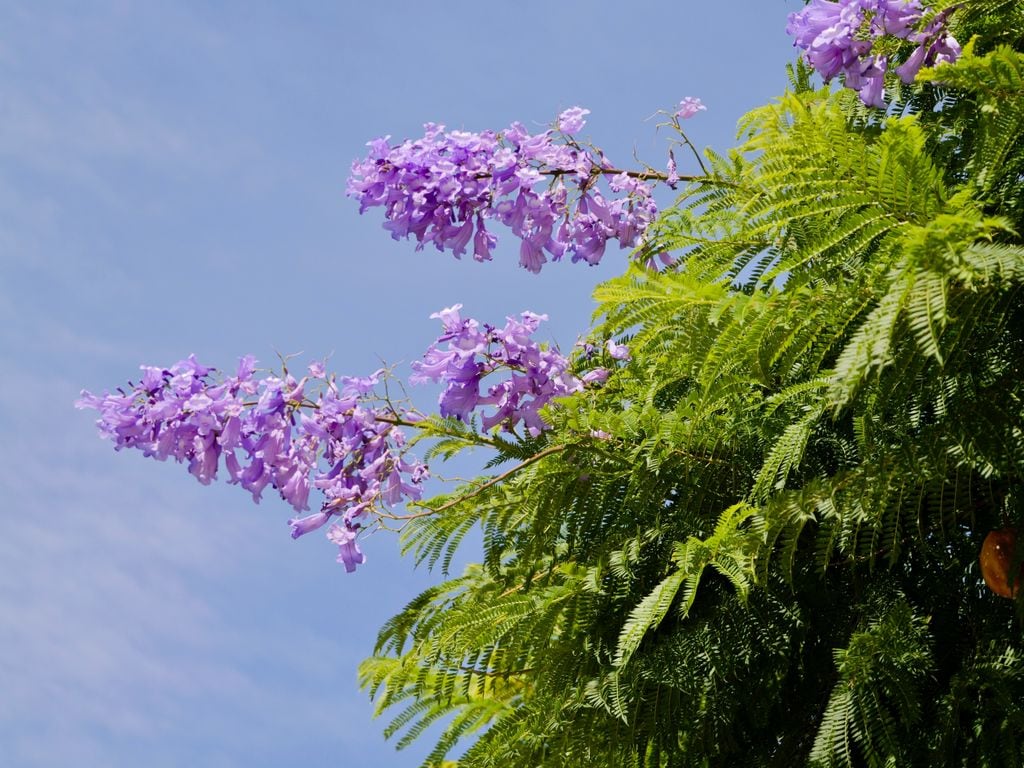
[(758, 543)]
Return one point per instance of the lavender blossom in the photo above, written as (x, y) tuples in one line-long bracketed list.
[(534, 374), (349, 553), (838, 40), (689, 107), (272, 432), (443, 189), (333, 434), (617, 351), (672, 170), (572, 120)]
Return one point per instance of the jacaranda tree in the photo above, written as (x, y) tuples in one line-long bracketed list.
[(767, 514)]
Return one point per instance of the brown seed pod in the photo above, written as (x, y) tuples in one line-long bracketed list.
[(996, 560)]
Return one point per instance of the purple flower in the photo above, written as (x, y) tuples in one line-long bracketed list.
[(349, 553), (838, 39), (355, 386), (809, 24), (459, 399), (334, 434), (596, 376), (303, 525), (908, 70), (442, 189), (896, 17), (673, 171), (534, 374), (689, 107), (531, 257), (347, 445), (483, 242), (572, 120), (617, 351)]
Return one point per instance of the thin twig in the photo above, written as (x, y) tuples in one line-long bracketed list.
[(495, 480), (648, 175), (492, 673)]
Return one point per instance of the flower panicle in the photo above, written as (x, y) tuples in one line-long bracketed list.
[(334, 434), (839, 39), (449, 189)]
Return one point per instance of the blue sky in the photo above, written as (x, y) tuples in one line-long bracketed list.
[(172, 181)]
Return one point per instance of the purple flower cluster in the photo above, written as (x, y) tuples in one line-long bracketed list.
[(537, 373), (446, 187), (334, 434), (839, 38), (272, 432)]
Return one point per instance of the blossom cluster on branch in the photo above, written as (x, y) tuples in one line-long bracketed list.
[(841, 38), (537, 373), (330, 433), (447, 187), (274, 431)]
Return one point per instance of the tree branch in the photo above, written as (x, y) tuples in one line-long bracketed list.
[(493, 481)]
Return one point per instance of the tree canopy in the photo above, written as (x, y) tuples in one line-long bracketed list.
[(759, 542)]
